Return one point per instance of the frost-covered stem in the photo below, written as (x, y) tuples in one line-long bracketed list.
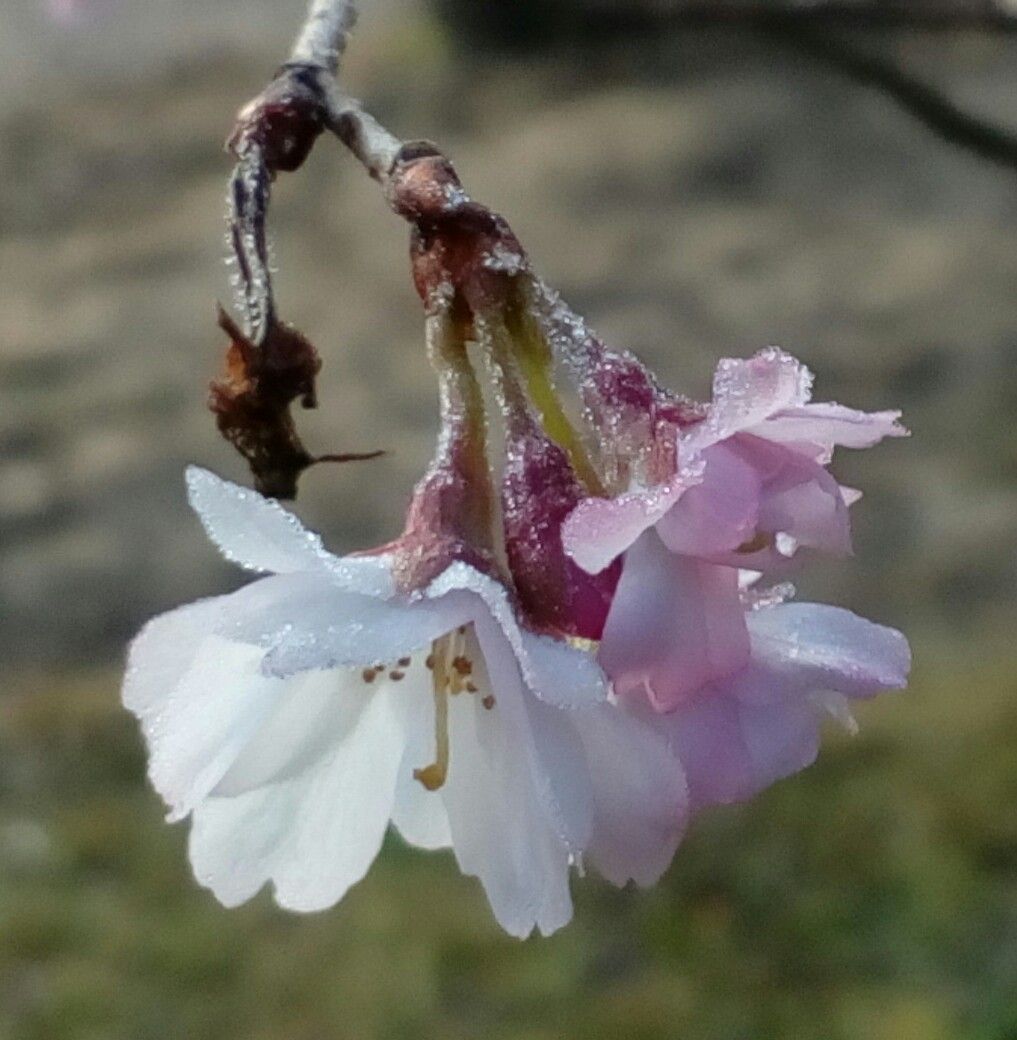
[(375, 147), (324, 35)]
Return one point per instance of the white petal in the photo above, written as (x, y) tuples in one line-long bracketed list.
[(419, 814), (258, 534), (308, 621), (545, 739), (199, 698), (164, 649), (251, 530), (561, 773), (554, 672), (314, 835), (500, 832), (639, 792), (313, 714)]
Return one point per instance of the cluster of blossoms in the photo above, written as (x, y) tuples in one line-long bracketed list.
[(567, 653)]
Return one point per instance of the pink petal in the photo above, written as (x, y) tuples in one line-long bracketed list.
[(675, 625), (747, 392), (600, 529), (799, 497), (829, 425), (732, 750), (719, 514)]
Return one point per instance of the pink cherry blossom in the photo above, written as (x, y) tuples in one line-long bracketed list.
[(738, 681), (741, 733), (752, 485)]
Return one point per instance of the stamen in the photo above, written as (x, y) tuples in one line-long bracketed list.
[(433, 777), (404, 662), (396, 676), (488, 701), (368, 675)]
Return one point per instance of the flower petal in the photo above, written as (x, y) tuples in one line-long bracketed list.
[(258, 534), (599, 530), (500, 831), (732, 750), (313, 715), (747, 392), (829, 425), (313, 835), (309, 622), (675, 625), (718, 515), (814, 646), (251, 530), (639, 792), (198, 697), (418, 814), (554, 672)]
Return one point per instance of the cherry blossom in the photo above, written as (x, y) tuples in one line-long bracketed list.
[(294, 719)]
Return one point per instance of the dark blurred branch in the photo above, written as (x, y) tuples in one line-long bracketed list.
[(924, 103), (983, 15), (544, 23)]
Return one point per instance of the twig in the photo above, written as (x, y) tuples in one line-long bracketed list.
[(269, 364), (324, 35)]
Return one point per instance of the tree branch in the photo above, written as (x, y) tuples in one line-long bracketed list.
[(931, 15), (931, 108), (324, 35)]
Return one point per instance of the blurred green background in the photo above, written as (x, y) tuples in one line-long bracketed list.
[(694, 193)]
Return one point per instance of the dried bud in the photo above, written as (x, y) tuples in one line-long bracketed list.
[(251, 401), (461, 251)]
